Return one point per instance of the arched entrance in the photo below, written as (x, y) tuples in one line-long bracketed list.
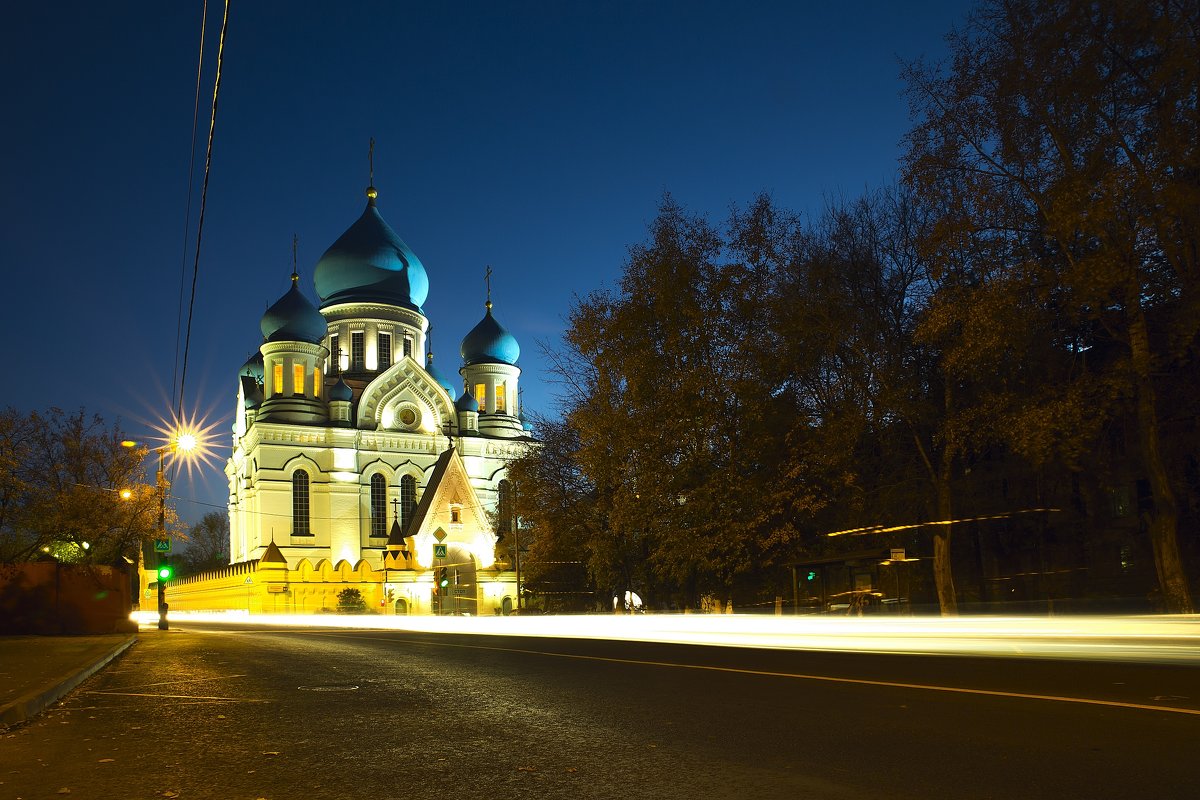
[(461, 595)]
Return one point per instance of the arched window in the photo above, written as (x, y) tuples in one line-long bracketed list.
[(408, 500), (504, 509), (378, 505), (300, 526)]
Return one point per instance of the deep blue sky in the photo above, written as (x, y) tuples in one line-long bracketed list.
[(535, 137)]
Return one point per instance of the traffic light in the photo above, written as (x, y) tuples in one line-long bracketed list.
[(443, 577), (812, 575), (165, 571)]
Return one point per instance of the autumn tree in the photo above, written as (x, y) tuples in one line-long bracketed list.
[(70, 489), (559, 515), (1059, 148), (208, 543)]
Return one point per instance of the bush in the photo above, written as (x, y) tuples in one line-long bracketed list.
[(350, 601)]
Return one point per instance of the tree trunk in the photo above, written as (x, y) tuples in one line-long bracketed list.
[(1164, 516), (943, 577)]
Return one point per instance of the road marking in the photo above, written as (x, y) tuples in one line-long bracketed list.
[(800, 676), (181, 696), (176, 683)]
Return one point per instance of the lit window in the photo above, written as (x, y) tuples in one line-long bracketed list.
[(277, 387), (297, 379), (455, 515), (499, 398), (407, 345), (378, 505), (481, 396), (335, 358), (316, 381), (358, 351), (300, 526), (385, 351)]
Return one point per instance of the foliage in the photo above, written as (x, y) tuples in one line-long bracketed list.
[(208, 544), (350, 601), (1059, 151), (70, 490), (1013, 329)]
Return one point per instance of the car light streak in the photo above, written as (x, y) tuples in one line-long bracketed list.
[(1159, 639)]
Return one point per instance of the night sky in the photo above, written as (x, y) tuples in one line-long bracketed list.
[(538, 138)]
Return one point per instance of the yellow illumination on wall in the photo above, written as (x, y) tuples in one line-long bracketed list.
[(277, 387), (316, 381), (481, 395), (343, 458), (297, 379)]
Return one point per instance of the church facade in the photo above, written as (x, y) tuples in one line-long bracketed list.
[(356, 461)]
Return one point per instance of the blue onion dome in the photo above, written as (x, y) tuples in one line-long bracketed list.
[(439, 378), (254, 397), (293, 318), (490, 343), (467, 402), (341, 391), (369, 263), (253, 367)]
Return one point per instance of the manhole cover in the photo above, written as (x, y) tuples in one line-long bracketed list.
[(327, 688)]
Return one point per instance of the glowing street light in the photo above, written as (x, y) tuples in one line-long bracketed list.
[(185, 441)]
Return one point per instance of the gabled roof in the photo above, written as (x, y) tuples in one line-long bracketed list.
[(448, 472)]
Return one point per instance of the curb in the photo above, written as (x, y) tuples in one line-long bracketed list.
[(28, 706)]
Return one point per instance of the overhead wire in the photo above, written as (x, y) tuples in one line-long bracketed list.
[(212, 125), (187, 217)]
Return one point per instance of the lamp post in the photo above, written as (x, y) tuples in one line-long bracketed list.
[(161, 481), (184, 443)]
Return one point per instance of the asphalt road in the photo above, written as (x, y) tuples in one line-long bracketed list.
[(205, 712)]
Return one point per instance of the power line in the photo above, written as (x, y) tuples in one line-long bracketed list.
[(187, 217), (212, 125)]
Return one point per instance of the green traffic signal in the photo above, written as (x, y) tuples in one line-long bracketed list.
[(444, 578), (165, 572), (812, 575)]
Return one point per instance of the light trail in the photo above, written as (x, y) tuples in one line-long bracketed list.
[(1154, 639), (908, 526)]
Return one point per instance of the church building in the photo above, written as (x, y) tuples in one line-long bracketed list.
[(356, 461)]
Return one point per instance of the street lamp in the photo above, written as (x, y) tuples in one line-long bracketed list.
[(183, 443)]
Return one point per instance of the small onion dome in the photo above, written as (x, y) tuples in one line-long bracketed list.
[(489, 343), (253, 367), (341, 391), (438, 378), (525, 425), (293, 318), (467, 402), (369, 263), (254, 397)]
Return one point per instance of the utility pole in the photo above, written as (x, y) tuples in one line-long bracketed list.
[(516, 532), (164, 569)]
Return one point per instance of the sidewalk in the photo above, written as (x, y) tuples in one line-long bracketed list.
[(36, 671)]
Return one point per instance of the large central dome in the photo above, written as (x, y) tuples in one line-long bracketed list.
[(369, 263)]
